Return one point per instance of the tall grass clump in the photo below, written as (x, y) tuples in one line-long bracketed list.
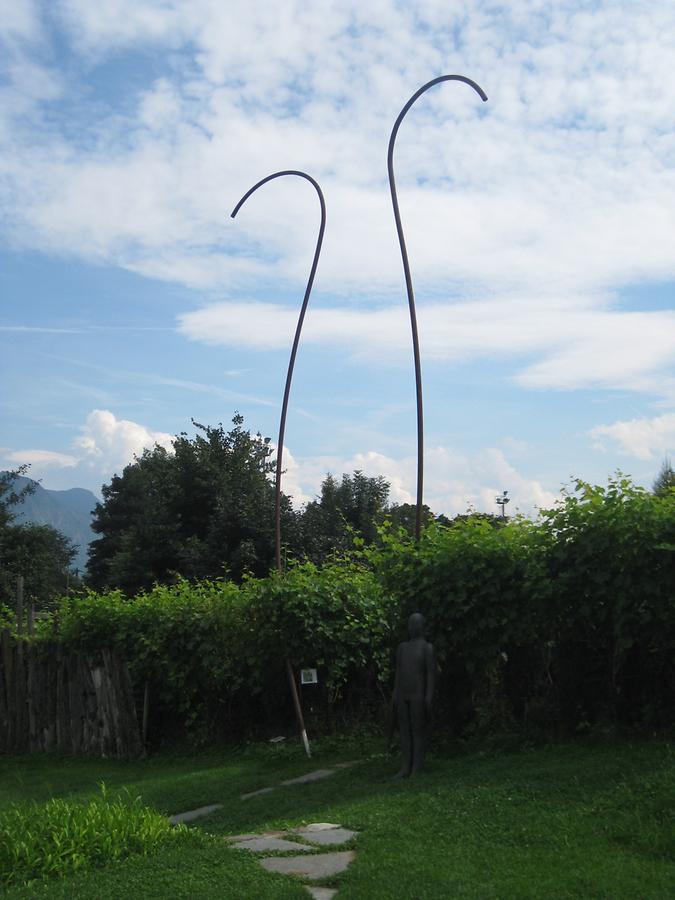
[(60, 837)]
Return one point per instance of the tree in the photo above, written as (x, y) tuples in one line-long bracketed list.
[(354, 506), (665, 480), (201, 510), (42, 555), (38, 552), (9, 496), (404, 515)]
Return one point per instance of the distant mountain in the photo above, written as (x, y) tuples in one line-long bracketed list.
[(68, 511)]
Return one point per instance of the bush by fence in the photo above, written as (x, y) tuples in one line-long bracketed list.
[(214, 653), (560, 624)]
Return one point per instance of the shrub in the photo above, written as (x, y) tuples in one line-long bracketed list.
[(57, 838), (562, 623), (484, 593), (610, 560), (214, 652)]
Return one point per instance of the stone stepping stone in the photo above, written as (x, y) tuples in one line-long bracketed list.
[(321, 893), (323, 865), (269, 843), (266, 790), (310, 776), (250, 837), (192, 814), (325, 837)]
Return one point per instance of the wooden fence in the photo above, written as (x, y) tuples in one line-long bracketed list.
[(75, 703)]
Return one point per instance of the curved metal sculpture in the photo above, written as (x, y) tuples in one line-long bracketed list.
[(408, 280), (296, 341), (284, 406)]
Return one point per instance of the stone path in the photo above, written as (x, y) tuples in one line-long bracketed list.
[(316, 775), (305, 840), (257, 793), (314, 867), (324, 835), (192, 814), (307, 778)]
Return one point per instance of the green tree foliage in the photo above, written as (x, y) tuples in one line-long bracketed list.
[(42, 555), (665, 480), (404, 515), (198, 511), (352, 507), (9, 496), (38, 552)]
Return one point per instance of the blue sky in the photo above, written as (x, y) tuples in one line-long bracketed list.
[(540, 229)]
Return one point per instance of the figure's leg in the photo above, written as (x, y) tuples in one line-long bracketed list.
[(418, 728), (405, 731)]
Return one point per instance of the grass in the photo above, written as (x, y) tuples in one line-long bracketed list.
[(61, 837), (567, 821)]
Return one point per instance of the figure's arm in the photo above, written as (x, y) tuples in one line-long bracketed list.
[(430, 660)]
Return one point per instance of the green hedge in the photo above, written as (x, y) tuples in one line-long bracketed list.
[(566, 622), (563, 623), (214, 653)]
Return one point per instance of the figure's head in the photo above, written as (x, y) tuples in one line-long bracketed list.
[(416, 625)]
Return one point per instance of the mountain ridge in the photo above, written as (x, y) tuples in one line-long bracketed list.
[(69, 511)]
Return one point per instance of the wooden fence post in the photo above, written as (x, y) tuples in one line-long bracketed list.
[(19, 604), (20, 687), (7, 660)]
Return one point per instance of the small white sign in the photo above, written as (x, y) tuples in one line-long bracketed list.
[(308, 676)]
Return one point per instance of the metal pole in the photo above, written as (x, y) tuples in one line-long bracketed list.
[(409, 284), (296, 341), (284, 405)]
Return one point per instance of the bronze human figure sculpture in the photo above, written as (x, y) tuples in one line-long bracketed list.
[(413, 693)]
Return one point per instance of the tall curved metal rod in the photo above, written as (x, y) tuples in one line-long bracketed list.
[(408, 279), (296, 341), (284, 408)]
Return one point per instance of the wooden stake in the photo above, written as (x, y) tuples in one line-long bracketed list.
[(19, 604), (298, 708)]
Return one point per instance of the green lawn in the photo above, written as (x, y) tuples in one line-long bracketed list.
[(571, 820)]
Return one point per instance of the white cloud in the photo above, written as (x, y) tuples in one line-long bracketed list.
[(19, 20), (104, 447), (454, 481), (643, 438), (545, 200), (36, 329), (44, 459), (107, 443), (118, 23), (557, 344)]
